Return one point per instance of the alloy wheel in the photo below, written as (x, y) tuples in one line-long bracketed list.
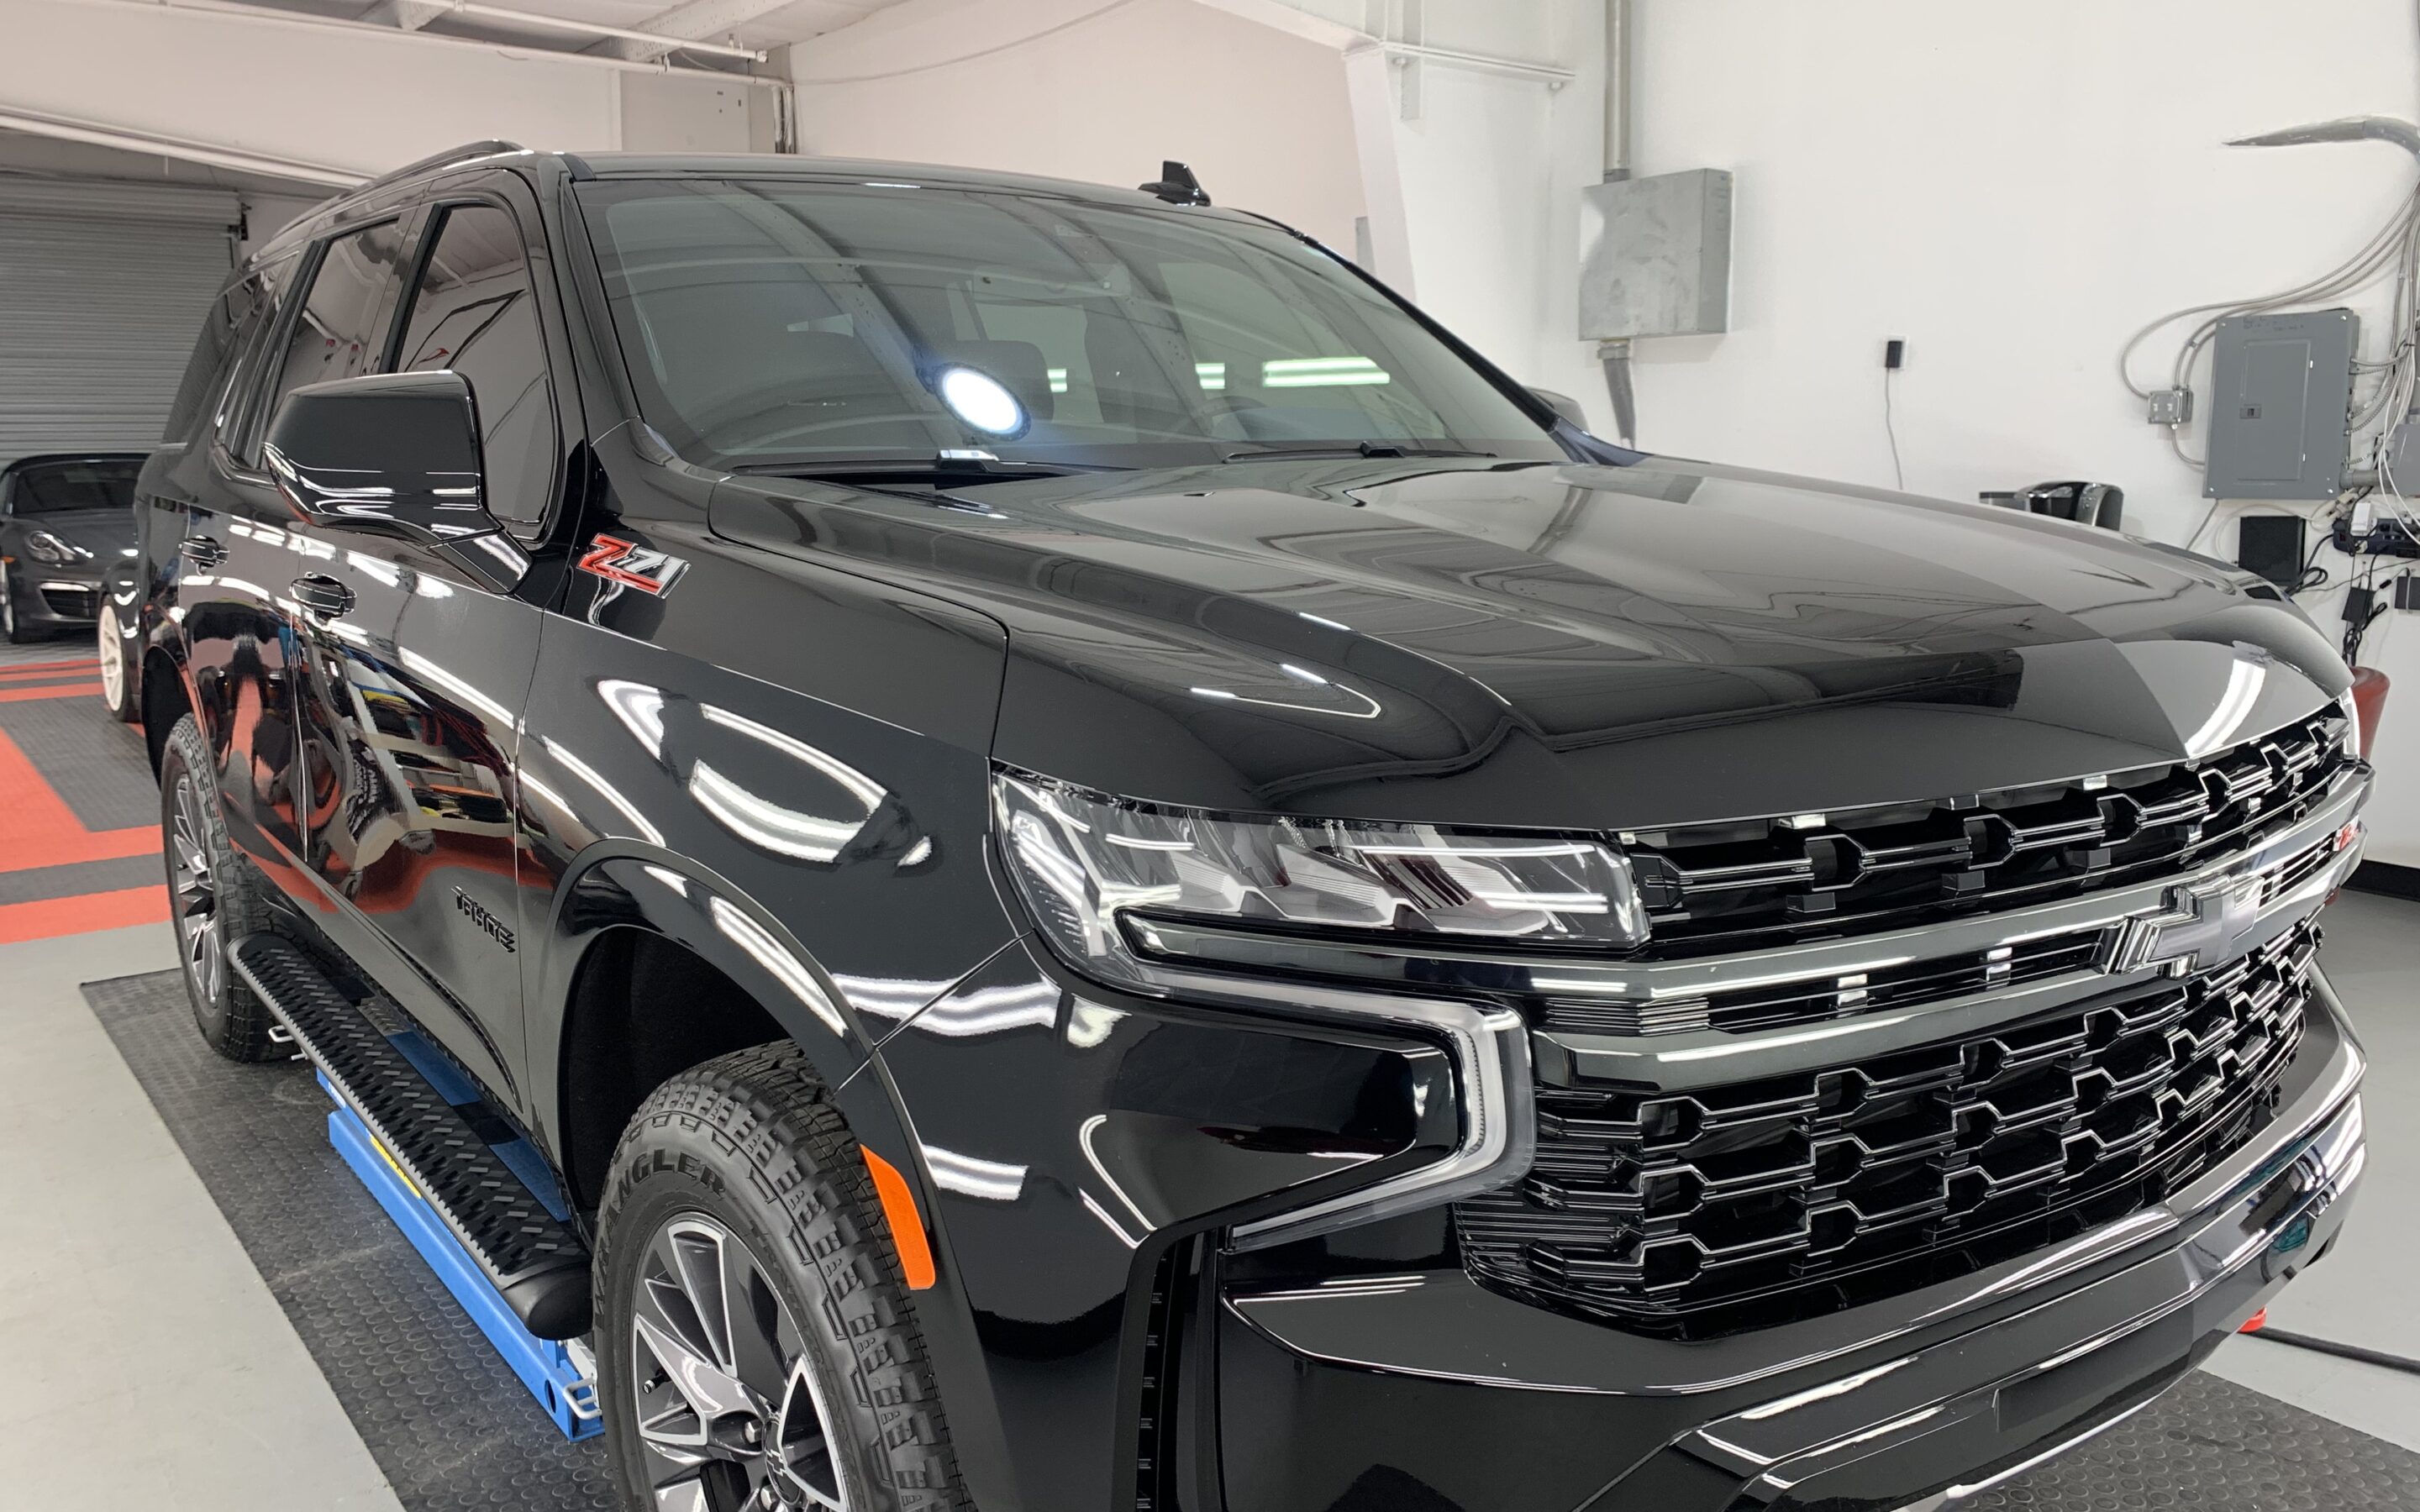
[(725, 1394), (194, 894), (113, 666)]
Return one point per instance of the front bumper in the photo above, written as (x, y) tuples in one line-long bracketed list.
[(50, 597), (1385, 1390)]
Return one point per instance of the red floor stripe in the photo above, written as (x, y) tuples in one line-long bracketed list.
[(37, 828), (65, 690), (52, 917), (36, 669)]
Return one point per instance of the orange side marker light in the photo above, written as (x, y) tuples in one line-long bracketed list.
[(907, 1225)]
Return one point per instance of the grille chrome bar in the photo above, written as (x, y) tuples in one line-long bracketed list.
[(2291, 884)]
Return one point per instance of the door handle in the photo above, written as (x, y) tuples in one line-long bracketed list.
[(322, 595), (201, 550)]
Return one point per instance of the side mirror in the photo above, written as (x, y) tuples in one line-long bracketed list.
[(1563, 405), (391, 453)]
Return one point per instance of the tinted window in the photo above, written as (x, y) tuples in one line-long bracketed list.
[(224, 332), (474, 313), (57, 487), (252, 352), (336, 335), (776, 322)]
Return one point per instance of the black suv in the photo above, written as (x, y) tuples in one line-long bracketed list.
[(1079, 864)]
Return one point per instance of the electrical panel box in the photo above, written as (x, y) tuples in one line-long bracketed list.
[(2280, 410), (1655, 255)]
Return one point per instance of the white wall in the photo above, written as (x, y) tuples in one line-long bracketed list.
[(2014, 190), (1260, 114)]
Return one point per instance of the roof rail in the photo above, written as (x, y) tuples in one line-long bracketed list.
[(465, 153)]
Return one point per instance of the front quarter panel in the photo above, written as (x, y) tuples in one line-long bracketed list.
[(713, 737)]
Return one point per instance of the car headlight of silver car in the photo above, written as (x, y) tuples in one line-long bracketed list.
[(59, 552), (1115, 883)]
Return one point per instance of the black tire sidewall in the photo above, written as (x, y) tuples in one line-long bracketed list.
[(236, 1023), (669, 1170)]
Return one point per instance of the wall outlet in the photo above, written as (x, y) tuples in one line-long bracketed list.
[(2407, 590), (2170, 407)]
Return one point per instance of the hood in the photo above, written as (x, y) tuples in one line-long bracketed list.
[(105, 532), (1558, 645)]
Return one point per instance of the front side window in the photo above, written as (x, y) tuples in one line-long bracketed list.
[(474, 313), (338, 334), (783, 323)]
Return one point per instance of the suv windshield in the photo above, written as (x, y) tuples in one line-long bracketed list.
[(63, 487), (785, 323)]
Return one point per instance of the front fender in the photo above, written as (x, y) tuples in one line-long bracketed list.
[(624, 884)]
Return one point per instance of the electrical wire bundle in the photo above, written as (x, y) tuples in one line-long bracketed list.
[(2394, 388), (2385, 407)]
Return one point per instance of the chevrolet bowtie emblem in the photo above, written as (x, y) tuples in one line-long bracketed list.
[(2206, 924)]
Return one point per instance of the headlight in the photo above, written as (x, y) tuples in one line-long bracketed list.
[(1113, 882), (44, 546)]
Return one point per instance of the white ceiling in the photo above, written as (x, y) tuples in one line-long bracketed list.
[(758, 23)]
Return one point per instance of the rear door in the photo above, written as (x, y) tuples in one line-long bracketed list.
[(239, 546), (421, 657)]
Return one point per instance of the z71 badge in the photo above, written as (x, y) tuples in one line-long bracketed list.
[(632, 565)]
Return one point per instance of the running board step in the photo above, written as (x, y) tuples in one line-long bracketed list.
[(533, 1259)]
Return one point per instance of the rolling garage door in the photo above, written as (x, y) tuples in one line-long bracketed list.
[(101, 291)]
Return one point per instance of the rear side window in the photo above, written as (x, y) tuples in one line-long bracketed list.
[(224, 332), (475, 312), (338, 334)]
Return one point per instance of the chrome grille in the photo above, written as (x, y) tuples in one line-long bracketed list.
[(1717, 887), (1703, 1214), (1911, 984)]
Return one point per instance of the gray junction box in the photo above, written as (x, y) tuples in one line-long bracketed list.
[(2281, 405), (1655, 255)]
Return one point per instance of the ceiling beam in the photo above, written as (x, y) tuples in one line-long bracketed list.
[(693, 19), (404, 15)]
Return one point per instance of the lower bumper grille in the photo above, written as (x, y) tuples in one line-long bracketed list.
[(71, 603), (1697, 1214)]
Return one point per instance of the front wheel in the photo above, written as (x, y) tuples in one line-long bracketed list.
[(735, 1375), (12, 629), (118, 683)]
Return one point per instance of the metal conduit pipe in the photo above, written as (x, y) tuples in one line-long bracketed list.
[(1615, 355)]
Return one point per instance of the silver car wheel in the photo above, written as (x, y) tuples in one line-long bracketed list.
[(112, 661), (725, 1396), (194, 894)]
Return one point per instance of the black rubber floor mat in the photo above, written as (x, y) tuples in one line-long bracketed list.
[(443, 1416), (452, 1428), (2212, 1445)]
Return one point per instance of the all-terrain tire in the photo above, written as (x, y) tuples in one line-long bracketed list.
[(750, 1141), (229, 901)]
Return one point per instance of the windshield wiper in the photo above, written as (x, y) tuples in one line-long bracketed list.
[(943, 467), (1355, 449)]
